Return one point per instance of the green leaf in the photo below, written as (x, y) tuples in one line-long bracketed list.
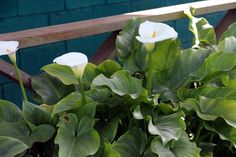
[(120, 83), (67, 103), (108, 67), (106, 150), (100, 94), (187, 63), (50, 89), (207, 149), (9, 112), (13, 125), (90, 72), (76, 139), (107, 128), (35, 114), (18, 130), (42, 133), (229, 80), (88, 110), (125, 41), (209, 92), (10, 147), (181, 148), (131, 144), (149, 153), (63, 73), (215, 64), (227, 45), (169, 127), (211, 109), (109, 152), (165, 54), (141, 111), (204, 33), (214, 108), (231, 31), (136, 62), (225, 131)]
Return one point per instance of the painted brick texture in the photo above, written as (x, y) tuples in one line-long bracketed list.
[(18, 15)]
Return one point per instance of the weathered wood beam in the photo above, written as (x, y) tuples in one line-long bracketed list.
[(228, 19), (45, 35), (8, 71), (107, 50)]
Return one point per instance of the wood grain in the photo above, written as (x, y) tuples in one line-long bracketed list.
[(107, 50), (45, 35), (8, 71), (227, 20)]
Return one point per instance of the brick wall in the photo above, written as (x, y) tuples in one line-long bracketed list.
[(18, 15)]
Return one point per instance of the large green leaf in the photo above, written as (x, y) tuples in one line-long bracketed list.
[(67, 103), (131, 144), (211, 109), (164, 54), (108, 67), (88, 110), (76, 138), (209, 92), (187, 63), (107, 128), (181, 148), (225, 131), (9, 112), (229, 80), (125, 41), (10, 147), (99, 94), (106, 150), (136, 62), (214, 65), (169, 127), (13, 125), (109, 152), (121, 83), (35, 114), (90, 72), (63, 73), (50, 89), (231, 31), (227, 45), (42, 133), (204, 33), (19, 130)]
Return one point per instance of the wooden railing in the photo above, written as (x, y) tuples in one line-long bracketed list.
[(51, 34)]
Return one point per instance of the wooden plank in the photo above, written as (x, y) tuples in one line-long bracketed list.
[(8, 71), (107, 50), (228, 19), (45, 35)]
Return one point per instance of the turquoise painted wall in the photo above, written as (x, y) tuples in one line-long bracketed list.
[(18, 15)]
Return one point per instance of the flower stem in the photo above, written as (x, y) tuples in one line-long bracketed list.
[(149, 79), (81, 89), (20, 81), (199, 129)]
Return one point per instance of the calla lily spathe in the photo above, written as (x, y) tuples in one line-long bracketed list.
[(76, 60), (151, 32), (9, 48)]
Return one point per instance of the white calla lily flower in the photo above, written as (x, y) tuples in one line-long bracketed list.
[(76, 60), (9, 48), (151, 32)]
